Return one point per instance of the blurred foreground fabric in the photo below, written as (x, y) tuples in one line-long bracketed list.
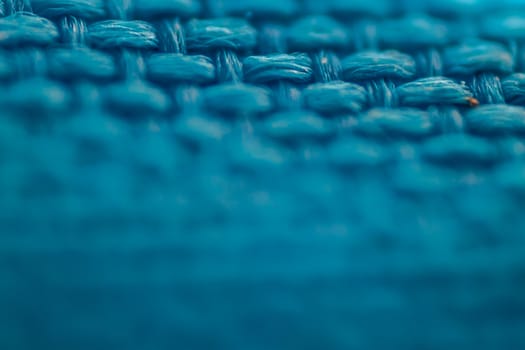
[(249, 174)]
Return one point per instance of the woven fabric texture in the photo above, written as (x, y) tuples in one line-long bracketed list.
[(262, 174)]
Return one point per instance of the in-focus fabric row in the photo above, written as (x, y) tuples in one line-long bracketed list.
[(305, 34)]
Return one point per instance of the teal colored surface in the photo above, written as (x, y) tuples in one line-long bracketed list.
[(247, 174)]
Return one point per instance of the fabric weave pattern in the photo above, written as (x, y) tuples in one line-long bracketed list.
[(249, 174)]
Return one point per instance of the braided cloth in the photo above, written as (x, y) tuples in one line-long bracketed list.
[(262, 174)]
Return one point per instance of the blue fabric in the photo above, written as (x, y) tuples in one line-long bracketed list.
[(262, 174)]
